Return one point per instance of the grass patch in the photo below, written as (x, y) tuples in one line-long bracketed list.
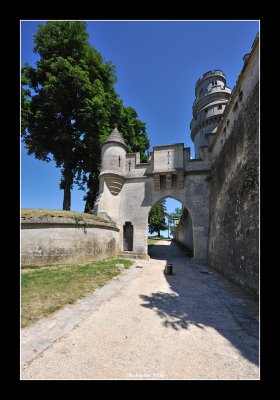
[(45, 290), (41, 213), (152, 241)]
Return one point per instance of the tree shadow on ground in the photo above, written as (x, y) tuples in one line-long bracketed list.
[(203, 299)]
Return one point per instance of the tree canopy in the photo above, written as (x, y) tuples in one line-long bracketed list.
[(156, 218), (70, 106)]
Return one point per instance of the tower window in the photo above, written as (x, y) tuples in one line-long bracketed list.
[(201, 91), (119, 161), (206, 110), (220, 107)]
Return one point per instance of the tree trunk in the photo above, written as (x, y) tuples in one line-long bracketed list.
[(67, 186), (67, 198), (158, 233), (91, 195)]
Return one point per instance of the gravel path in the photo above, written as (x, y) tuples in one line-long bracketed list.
[(190, 325)]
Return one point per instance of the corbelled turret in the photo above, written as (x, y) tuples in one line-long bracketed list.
[(113, 162)]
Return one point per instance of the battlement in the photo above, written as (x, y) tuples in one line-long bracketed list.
[(207, 74), (165, 159)]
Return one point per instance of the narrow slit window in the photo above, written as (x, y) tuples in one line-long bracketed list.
[(162, 181)]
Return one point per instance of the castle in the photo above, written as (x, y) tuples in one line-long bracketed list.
[(218, 188)]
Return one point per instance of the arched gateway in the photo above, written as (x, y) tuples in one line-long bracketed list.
[(128, 189)]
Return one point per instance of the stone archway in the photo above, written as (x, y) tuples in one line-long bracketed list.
[(185, 211), (196, 208), (128, 189)]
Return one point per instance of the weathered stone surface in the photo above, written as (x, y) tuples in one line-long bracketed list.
[(120, 267), (234, 200), (143, 187), (47, 241)]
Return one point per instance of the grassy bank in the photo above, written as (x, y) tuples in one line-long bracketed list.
[(41, 213), (47, 289)]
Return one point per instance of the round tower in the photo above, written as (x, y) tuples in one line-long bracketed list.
[(113, 156), (211, 98)]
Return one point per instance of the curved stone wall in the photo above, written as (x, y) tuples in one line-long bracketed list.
[(56, 240)]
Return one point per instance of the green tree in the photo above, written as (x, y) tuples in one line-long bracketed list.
[(69, 106), (156, 218), (134, 134), (25, 105)]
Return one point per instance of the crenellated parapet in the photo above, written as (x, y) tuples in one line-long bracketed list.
[(167, 165)]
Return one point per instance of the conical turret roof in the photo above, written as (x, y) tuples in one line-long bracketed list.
[(115, 137)]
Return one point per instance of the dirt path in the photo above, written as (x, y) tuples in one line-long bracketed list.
[(190, 325)]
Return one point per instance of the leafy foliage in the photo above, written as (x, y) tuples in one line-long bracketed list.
[(70, 106), (156, 218)]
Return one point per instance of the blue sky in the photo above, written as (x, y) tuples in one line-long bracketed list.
[(157, 65)]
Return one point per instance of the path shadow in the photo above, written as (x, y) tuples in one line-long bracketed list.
[(163, 252), (205, 300)]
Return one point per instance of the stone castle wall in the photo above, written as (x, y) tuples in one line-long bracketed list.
[(169, 172), (234, 197), (184, 231)]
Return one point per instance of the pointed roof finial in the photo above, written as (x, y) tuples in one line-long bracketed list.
[(115, 137)]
